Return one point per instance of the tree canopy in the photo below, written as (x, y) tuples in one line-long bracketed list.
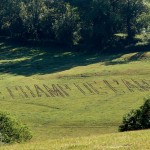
[(72, 22)]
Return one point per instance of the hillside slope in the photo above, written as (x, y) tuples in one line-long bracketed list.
[(63, 94), (122, 141)]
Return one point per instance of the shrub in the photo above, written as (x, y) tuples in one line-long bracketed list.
[(12, 130), (137, 119)]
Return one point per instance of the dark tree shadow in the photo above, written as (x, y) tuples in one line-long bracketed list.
[(27, 61), (138, 50)]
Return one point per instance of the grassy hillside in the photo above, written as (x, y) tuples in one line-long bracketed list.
[(68, 94), (122, 141)]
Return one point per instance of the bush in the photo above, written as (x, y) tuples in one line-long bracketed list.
[(137, 119), (11, 130)]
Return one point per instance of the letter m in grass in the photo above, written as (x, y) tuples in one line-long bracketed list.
[(56, 90)]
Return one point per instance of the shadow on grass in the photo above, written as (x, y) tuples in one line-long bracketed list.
[(28, 61)]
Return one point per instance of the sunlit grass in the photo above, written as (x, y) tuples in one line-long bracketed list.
[(79, 119), (131, 140)]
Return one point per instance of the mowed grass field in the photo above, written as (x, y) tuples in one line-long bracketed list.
[(73, 97)]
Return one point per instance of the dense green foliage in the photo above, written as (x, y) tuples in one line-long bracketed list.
[(69, 22), (11, 130), (137, 119)]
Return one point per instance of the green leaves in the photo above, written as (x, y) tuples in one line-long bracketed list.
[(11, 130), (71, 22), (137, 119), (67, 26)]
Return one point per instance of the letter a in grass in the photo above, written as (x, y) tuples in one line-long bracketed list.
[(142, 86), (131, 86), (40, 91)]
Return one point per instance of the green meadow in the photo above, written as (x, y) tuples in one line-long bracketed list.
[(122, 141), (73, 100)]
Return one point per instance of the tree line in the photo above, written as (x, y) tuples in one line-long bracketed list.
[(73, 22)]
